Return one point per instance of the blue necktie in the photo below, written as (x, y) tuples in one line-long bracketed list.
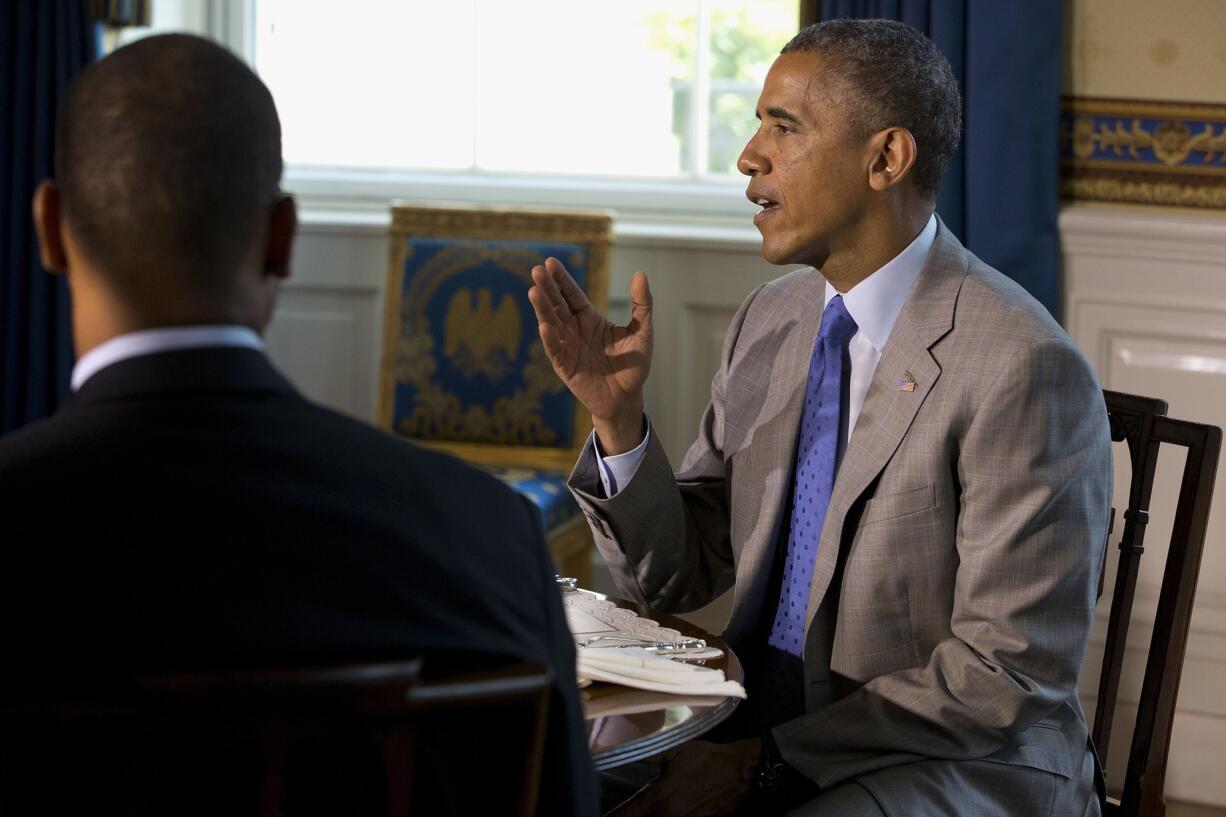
[(816, 461)]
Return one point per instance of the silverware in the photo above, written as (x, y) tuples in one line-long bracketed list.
[(680, 645)]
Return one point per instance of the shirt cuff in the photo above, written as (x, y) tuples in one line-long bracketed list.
[(617, 471)]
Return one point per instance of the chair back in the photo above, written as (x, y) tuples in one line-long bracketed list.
[(363, 739), (463, 368), (1142, 423)]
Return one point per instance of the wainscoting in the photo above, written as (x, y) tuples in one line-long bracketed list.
[(326, 333), (1145, 299)]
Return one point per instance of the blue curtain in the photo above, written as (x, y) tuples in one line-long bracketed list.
[(1001, 194), (43, 43)]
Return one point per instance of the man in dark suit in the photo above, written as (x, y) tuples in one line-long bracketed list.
[(187, 507)]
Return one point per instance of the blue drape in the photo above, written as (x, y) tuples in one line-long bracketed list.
[(43, 43), (1001, 194)]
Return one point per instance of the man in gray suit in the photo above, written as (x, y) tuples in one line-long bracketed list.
[(903, 473)]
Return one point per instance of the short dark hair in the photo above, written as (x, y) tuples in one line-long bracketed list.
[(898, 78), (168, 158)]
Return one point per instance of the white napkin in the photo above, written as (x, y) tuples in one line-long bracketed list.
[(638, 668), (634, 701)]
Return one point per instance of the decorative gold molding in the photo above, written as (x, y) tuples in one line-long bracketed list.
[(497, 223), (1144, 152), (1136, 188)]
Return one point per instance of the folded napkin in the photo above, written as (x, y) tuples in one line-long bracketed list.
[(637, 701), (638, 668)]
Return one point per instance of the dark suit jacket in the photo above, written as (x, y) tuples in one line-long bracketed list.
[(190, 508)]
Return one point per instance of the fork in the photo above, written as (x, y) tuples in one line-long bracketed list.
[(681, 645)]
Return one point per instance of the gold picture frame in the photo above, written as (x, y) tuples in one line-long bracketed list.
[(590, 229)]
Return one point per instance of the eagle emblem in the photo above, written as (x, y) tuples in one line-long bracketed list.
[(479, 339)]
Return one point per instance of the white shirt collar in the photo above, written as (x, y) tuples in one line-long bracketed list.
[(149, 341), (875, 302)]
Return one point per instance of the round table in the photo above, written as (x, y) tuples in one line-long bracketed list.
[(625, 725)]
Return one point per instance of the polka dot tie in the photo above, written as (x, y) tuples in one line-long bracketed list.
[(816, 460)]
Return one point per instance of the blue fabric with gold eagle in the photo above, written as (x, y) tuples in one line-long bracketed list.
[(469, 367)]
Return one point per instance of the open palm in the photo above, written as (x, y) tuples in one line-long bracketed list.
[(604, 365)]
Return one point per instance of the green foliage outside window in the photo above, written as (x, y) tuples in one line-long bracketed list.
[(745, 38)]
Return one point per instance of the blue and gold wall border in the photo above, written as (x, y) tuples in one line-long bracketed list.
[(1140, 152), (456, 311)]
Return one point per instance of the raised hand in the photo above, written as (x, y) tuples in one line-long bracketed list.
[(604, 365)]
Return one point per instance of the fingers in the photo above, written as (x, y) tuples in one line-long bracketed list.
[(641, 302), (546, 307), (640, 291), (570, 291), (549, 323), (550, 340)]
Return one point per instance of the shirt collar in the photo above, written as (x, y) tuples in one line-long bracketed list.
[(875, 302), (167, 339)]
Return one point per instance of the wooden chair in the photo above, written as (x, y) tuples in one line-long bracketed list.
[(363, 739), (1143, 424), (463, 369)]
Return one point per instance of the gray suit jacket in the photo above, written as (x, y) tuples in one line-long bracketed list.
[(966, 524)]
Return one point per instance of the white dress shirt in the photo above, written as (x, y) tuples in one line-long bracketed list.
[(149, 341), (874, 304)]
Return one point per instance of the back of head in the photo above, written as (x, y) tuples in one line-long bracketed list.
[(896, 77), (168, 158)]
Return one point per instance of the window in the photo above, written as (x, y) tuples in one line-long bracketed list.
[(655, 89), (638, 105)]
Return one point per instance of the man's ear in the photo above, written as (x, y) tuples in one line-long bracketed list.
[(46, 207), (282, 223), (893, 156)]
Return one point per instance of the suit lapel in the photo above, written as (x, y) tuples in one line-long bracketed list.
[(888, 411)]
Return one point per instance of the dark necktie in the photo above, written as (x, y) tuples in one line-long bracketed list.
[(816, 460)]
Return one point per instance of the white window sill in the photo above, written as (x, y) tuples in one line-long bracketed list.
[(646, 212)]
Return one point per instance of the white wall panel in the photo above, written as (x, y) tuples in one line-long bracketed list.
[(1146, 301), (323, 342), (325, 333)]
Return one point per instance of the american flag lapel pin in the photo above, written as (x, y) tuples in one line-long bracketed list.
[(907, 383)]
